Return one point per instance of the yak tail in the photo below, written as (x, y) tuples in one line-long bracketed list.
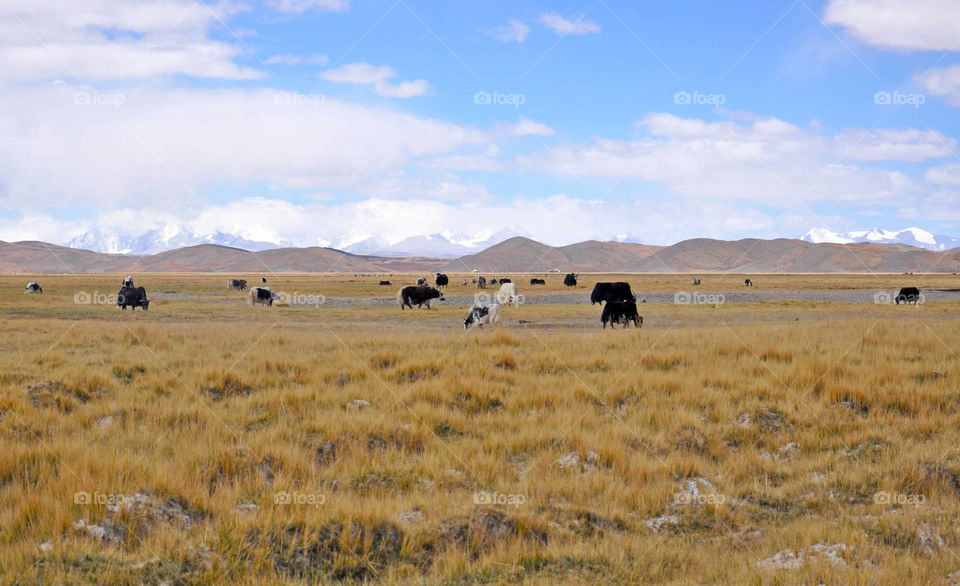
[(253, 297), (400, 298)]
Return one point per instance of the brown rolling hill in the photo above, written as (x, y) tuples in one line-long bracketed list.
[(517, 255), (523, 255)]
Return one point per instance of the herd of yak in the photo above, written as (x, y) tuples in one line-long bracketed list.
[(619, 302)]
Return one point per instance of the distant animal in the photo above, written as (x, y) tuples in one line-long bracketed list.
[(33, 288), (441, 280), (537, 282), (385, 283), (502, 281), (422, 281), (128, 281), (481, 314), (694, 281), (620, 312), (481, 283), (261, 296), (263, 280), (908, 295), (492, 281), (463, 283), (748, 282), (606, 292), (237, 284), (132, 297), (508, 294), (418, 294), (570, 280)]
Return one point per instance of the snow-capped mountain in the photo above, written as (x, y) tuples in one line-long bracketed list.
[(446, 244), (911, 236), (166, 238)]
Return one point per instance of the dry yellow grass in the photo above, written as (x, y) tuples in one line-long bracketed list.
[(684, 452)]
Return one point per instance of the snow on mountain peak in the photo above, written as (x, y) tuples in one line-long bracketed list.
[(911, 236)]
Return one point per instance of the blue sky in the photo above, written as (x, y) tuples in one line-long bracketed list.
[(333, 121)]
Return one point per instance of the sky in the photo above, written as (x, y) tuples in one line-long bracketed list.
[(332, 121)]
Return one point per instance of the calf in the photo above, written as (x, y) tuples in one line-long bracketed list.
[(908, 295), (480, 315), (620, 312)]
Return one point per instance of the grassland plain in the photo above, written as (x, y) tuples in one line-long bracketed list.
[(206, 441)]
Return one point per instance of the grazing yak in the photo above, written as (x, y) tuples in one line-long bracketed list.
[(441, 280), (237, 284), (908, 295), (537, 282), (481, 283), (418, 294), (748, 283), (385, 283), (422, 281), (261, 296), (694, 281), (508, 294), (463, 283), (481, 314), (620, 312), (263, 280), (607, 292), (128, 282), (133, 297), (570, 280), (502, 281), (492, 281), (33, 288)]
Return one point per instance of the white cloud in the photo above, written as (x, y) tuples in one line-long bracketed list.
[(114, 39), (768, 160), (896, 24), (297, 6), (297, 59), (528, 127), (565, 26), (943, 82), (173, 145), (377, 76), (515, 31), (944, 174)]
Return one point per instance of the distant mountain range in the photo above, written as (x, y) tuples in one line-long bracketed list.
[(173, 235), (910, 236), (515, 255)]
